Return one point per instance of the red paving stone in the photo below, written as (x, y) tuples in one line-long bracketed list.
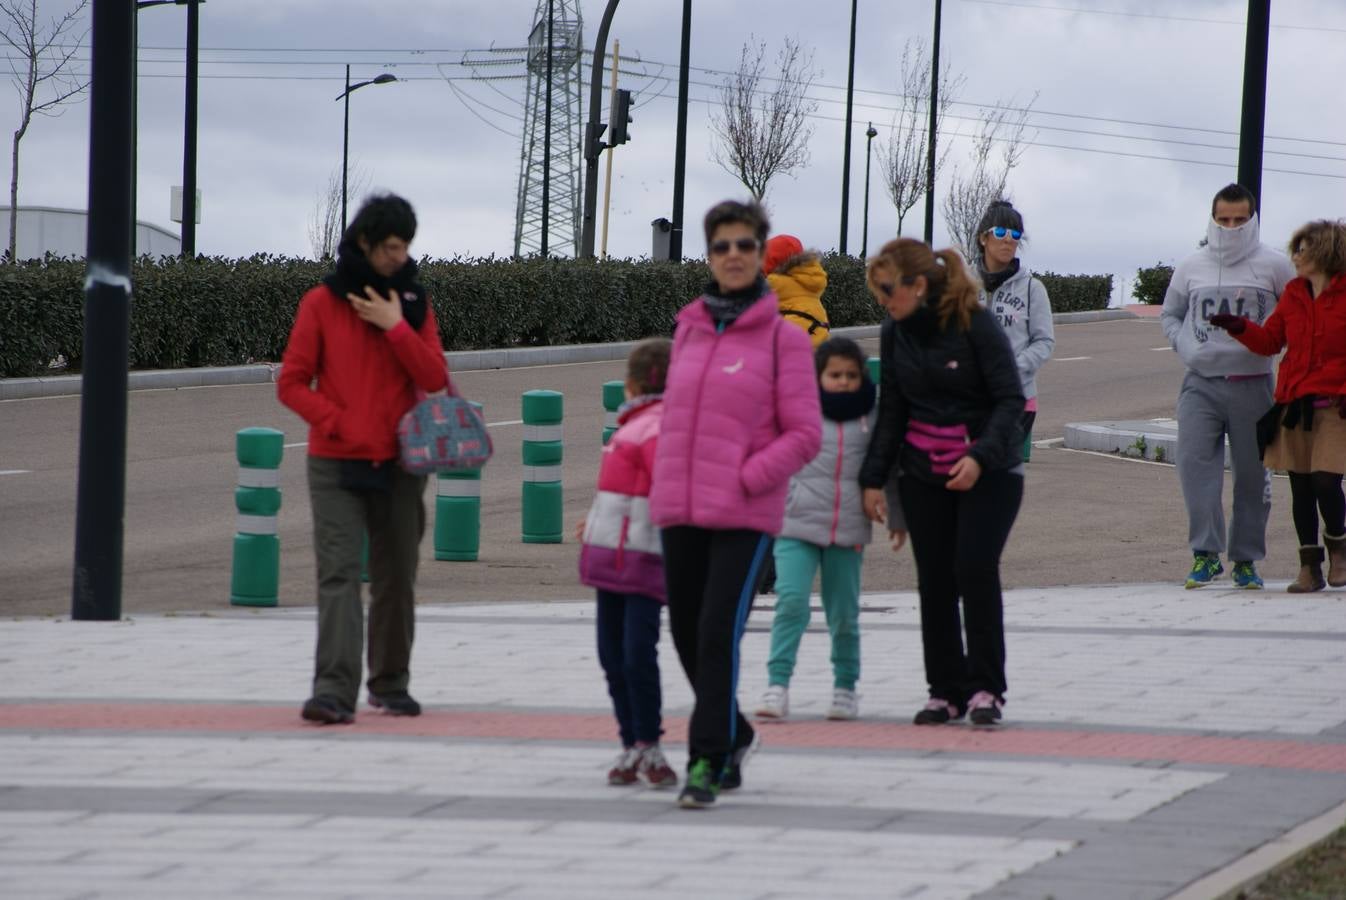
[(817, 734)]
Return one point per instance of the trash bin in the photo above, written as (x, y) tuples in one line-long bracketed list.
[(663, 232)]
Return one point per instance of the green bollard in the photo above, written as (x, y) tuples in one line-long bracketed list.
[(542, 452), (874, 364), (614, 395), (255, 579), (458, 513), (1028, 446)]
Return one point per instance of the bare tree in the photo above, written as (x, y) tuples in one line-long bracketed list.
[(324, 221), (764, 132), (984, 176), (903, 156), (42, 77)]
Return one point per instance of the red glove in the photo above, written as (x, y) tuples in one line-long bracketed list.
[(1231, 324)]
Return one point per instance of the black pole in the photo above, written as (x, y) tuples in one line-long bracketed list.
[(934, 136), (101, 495), (345, 145), (189, 134), (592, 132), (870, 134), (846, 151), (135, 120), (546, 138), (680, 142), (1254, 97)]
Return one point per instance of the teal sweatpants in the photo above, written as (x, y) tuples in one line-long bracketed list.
[(796, 564)]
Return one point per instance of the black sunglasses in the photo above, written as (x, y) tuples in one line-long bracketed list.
[(745, 245)]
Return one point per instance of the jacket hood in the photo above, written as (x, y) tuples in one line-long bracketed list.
[(1232, 245), (804, 269)]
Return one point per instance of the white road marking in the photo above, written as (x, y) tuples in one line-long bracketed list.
[(299, 444), (507, 422), (15, 471), (1049, 442), (1159, 349), (1072, 358)]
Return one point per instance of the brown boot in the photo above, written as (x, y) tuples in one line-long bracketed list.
[(1336, 559), (1310, 572)]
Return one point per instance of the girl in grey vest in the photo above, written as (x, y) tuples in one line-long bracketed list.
[(825, 527)]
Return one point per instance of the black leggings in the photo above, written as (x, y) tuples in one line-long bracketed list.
[(1314, 492), (957, 538)]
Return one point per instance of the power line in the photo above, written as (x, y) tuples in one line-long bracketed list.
[(1138, 15)]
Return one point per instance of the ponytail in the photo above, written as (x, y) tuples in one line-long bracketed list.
[(960, 294)]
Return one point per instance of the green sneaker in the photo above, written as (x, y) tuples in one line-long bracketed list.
[(701, 788), (1205, 569), (1245, 576)]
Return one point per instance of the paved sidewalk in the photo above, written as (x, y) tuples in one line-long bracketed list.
[(1154, 736)]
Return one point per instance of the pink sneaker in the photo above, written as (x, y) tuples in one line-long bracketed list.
[(984, 708)]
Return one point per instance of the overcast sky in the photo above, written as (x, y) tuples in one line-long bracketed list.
[(1158, 80)]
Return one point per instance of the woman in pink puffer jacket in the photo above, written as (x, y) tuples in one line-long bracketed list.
[(741, 417)]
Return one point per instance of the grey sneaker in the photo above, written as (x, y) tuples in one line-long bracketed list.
[(775, 702)]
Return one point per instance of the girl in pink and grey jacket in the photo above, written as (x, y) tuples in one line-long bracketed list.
[(741, 416), (620, 555)]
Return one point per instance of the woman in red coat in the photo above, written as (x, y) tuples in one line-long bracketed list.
[(1308, 423)]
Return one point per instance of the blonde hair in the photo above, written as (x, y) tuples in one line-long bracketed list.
[(647, 366), (1324, 243), (945, 272)]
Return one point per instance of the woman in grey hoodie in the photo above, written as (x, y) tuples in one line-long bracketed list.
[(1018, 301)]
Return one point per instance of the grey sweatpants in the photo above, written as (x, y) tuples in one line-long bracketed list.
[(1209, 409), (395, 520)]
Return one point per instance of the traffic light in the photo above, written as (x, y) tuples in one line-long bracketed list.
[(621, 119)]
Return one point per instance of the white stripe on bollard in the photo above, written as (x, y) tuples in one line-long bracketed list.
[(543, 433), (458, 487), (610, 420), (255, 524), (541, 473), (258, 478)]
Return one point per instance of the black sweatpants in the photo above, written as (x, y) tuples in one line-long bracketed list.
[(711, 576), (957, 538)]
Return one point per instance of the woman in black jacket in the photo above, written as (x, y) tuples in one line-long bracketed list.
[(950, 405)]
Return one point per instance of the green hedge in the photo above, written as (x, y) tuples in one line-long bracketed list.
[(1152, 283), (214, 312)]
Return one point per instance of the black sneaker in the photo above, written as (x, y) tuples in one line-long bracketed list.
[(327, 710), (984, 709), (701, 787), (732, 779), (937, 711), (395, 703)]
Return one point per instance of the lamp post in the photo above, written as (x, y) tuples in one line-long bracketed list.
[(680, 138), (870, 134), (934, 136), (345, 95), (846, 153), (1253, 118)]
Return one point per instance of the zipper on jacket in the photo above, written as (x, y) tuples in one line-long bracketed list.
[(696, 415), (836, 482)]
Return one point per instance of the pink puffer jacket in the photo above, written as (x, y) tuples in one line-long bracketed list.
[(741, 416)]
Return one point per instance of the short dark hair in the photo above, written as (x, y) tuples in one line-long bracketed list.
[(1234, 193), (647, 365), (380, 217), (727, 212), (1000, 214), (838, 346)]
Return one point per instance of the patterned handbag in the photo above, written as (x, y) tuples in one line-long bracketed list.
[(443, 431)]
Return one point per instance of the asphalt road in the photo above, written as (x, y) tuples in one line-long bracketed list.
[(1086, 519)]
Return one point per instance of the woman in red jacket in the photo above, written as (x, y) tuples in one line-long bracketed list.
[(363, 341), (1308, 424)]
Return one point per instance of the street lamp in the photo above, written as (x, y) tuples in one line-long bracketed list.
[(846, 153), (346, 129), (930, 162), (869, 140)]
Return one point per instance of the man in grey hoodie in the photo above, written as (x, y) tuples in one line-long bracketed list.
[(1226, 389)]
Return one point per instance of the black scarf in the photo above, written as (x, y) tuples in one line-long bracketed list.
[(726, 307), (993, 280), (842, 406), (353, 273)]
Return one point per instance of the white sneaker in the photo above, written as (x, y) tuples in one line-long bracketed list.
[(775, 702), (845, 704)]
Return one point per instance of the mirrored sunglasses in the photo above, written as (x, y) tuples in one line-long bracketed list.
[(1001, 232), (743, 245)]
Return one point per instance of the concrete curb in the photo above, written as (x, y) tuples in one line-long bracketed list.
[(459, 361), (1234, 880)]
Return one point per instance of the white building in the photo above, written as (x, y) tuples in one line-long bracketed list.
[(64, 232)]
